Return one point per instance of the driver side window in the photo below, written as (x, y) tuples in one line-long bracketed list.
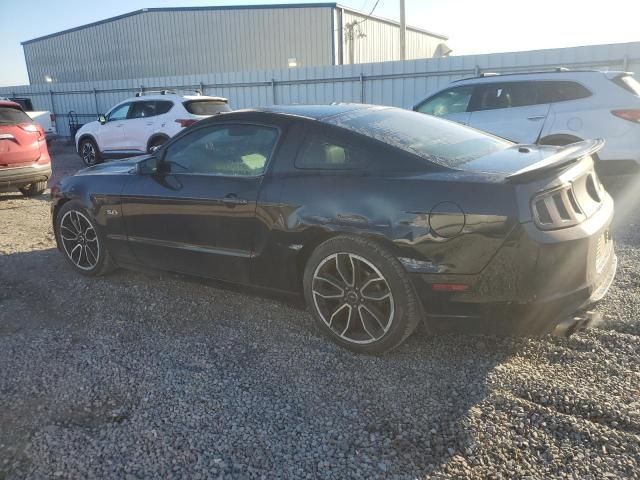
[(230, 150), (119, 113), (454, 100)]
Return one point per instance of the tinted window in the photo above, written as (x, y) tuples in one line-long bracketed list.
[(142, 109), (629, 83), (206, 107), (454, 100), (239, 150), (504, 95), (12, 116), (439, 141), (163, 106), (319, 152), (119, 113), (560, 91)]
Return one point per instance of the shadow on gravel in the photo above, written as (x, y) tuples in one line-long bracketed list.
[(200, 348)]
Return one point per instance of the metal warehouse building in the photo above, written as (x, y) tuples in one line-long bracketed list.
[(160, 42)]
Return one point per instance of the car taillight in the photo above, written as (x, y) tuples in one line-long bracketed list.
[(556, 209), (33, 128), (185, 122), (632, 114)]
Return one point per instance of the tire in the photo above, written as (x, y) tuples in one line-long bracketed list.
[(156, 142), (34, 189), (93, 259), (89, 152), (345, 307)]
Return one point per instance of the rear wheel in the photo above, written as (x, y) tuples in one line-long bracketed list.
[(89, 152), (34, 189), (80, 241), (360, 295)]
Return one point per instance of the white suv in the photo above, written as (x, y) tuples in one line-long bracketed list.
[(140, 124), (552, 108)]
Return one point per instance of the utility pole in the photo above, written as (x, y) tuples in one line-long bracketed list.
[(403, 32)]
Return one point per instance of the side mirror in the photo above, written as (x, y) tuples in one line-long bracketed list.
[(102, 119), (148, 166)]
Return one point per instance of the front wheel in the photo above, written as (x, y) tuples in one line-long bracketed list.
[(89, 152), (360, 295), (80, 241)]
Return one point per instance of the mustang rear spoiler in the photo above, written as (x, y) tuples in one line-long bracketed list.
[(569, 154)]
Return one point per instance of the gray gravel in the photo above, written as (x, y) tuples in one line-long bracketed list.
[(140, 375)]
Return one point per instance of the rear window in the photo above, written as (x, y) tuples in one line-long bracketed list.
[(206, 107), (629, 83), (439, 141), (12, 116), (560, 91)]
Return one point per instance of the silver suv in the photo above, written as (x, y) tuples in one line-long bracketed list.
[(551, 108)]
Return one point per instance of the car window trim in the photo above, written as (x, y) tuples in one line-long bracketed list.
[(222, 124)]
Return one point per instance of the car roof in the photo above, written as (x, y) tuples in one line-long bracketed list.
[(174, 96), (312, 112), (489, 77), (9, 103)]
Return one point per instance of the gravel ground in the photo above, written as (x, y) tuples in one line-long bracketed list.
[(139, 375)]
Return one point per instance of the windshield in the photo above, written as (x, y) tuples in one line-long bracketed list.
[(13, 116), (439, 141), (206, 107)]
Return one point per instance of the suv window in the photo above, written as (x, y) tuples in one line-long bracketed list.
[(163, 106), (453, 100), (321, 153), (236, 150), (142, 109), (119, 113), (493, 96), (206, 107), (560, 91), (13, 116), (629, 83)]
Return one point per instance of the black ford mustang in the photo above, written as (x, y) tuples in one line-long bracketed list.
[(381, 217)]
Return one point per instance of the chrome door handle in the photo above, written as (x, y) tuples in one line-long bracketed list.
[(232, 200), (536, 117), (150, 123)]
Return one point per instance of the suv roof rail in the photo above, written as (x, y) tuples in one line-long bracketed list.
[(562, 69), (150, 92), (534, 72), (489, 74)]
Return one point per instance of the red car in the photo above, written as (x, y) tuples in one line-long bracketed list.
[(25, 164)]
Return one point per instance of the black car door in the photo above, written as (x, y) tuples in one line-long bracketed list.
[(196, 213)]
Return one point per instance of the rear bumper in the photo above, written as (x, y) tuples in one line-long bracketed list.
[(21, 176), (536, 284)]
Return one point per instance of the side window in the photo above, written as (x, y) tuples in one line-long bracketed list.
[(119, 113), (236, 150), (321, 153), (504, 95), (454, 100), (163, 106), (142, 109), (561, 91)]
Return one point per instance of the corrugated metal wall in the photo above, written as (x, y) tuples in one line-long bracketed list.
[(377, 41), (165, 43), (400, 84)]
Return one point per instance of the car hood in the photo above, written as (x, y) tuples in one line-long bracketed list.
[(114, 167)]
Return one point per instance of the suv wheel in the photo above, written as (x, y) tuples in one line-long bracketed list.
[(34, 189), (80, 240), (360, 295), (89, 152)]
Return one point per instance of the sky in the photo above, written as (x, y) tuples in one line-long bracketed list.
[(473, 26)]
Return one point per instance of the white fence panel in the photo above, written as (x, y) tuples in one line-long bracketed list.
[(399, 84)]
